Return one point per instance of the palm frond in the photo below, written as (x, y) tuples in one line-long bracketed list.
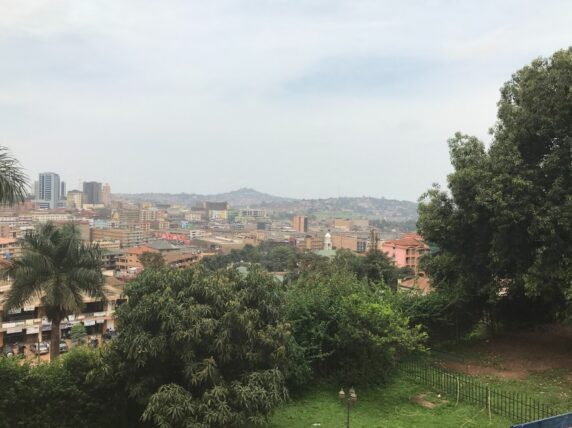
[(57, 267), (89, 281), (13, 180), (26, 285)]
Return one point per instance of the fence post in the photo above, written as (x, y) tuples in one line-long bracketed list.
[(489, 402), (458, 389)]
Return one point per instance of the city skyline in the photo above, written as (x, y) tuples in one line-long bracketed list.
[(299, 100)]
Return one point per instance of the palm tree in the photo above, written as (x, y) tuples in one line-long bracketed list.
[(60, 270), (13, 181)]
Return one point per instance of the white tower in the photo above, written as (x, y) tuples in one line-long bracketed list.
[(328, 241)]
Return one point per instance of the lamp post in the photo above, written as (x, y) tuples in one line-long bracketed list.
[(350, 400)]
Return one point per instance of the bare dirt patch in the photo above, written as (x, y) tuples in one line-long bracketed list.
[(517, 355), (478, 370), (422, 400)]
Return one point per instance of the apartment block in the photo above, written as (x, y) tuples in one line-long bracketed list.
[(128, 237), (406, 251), (29, 324), (300, 223), (130, 263)]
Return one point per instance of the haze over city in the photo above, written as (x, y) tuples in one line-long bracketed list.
[(285, 214), (297, 99)]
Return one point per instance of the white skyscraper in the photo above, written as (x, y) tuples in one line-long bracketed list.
[(49, 190)]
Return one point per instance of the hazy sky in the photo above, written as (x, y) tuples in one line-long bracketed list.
[(295, 98)]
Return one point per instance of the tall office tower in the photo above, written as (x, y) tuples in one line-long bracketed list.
[(106, 195), (92, 192), (36, 189), (48, 190), (300, 223), (63, 192)]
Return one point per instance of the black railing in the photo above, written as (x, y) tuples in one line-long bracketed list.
[(460, 387)]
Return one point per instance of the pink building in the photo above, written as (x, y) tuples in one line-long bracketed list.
[(406, 251)]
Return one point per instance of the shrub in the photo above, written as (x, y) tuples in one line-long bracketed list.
[(349, 328)]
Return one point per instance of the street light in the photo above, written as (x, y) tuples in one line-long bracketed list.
[(350, 400)]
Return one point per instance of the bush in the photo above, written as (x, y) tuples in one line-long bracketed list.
[(348, 328), (58, 394)]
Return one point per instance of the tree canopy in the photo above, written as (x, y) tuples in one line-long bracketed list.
[(203, 349), (504, 227)]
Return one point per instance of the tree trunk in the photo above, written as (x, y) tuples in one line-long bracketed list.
[(55, 340)]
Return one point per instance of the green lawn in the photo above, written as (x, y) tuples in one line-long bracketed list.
[(549, 387), (385, 406)]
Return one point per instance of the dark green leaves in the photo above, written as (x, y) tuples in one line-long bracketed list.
[(199, 348)]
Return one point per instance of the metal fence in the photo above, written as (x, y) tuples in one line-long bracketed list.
[(460, 387)]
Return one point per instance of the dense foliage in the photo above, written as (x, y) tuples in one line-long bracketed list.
[(203, 349), (374, 265), (61, 394), (280, 258), (348, 328), (504, 229)]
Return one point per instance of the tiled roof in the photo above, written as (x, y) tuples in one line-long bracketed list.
[(407, 240), (140, 250)]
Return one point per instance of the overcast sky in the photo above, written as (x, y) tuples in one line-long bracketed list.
[(295, 98)]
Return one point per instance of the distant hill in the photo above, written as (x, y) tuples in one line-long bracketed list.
[(364, 206), (240, 197)]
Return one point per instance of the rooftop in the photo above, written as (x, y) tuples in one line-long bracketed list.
[(407, 240), (141, 250)]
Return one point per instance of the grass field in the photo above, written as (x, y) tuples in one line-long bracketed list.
[(535, 363), (549, 387), (385, 406)]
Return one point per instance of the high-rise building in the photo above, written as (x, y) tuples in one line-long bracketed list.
[(106, 195), (36, 189), (92, 192), (300, 223), (63, 192), (48, 190)]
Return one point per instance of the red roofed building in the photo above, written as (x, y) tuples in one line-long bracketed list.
[(406, 251), (130, 263)]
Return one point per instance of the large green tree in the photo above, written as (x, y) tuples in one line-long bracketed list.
[(504, 227), (203, 349), (60, 269), (13, 181)]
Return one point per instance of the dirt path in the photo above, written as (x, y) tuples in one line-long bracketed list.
[(517, 355)]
